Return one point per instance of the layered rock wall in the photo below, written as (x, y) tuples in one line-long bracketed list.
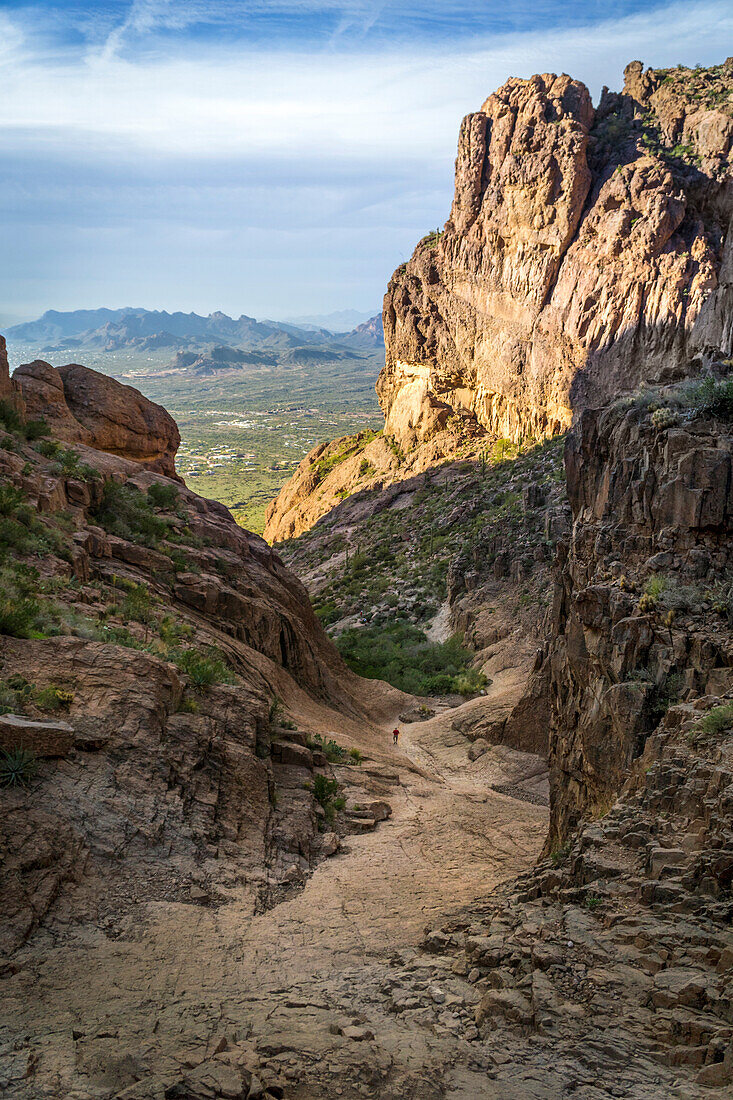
[(642, 612), (586, 252)]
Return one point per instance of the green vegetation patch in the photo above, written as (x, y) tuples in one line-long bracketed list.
[(718, 720), (353, 445), (400, 653)]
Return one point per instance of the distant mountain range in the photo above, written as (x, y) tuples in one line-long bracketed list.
[(343, 320), (115, 329)]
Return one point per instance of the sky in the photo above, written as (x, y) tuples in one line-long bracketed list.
[(269, 157)]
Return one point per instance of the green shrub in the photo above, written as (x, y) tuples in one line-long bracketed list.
[(333, 752), (17, 767), (138, 605), (48, 448), (11, 499), (401, 654), (560, 854), (656, 585), (324, 792), (356, 756), (717, 720), (124, 511), (35, 429), (163, 496), (204, 669), (10, 418), (712, 398), (18, 616), (52, 698)]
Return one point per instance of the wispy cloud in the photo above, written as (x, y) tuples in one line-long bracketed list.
[(148, 137)]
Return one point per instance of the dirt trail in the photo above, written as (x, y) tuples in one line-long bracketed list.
[(165, 994)]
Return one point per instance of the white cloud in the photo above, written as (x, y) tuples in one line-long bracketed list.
[(213, 101), (349, 149)]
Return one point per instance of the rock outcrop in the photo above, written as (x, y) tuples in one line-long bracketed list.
[(83, 406), (587, 251), (149, 647), (641, 611)]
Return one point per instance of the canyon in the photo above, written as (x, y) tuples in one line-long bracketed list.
[(222, 878)]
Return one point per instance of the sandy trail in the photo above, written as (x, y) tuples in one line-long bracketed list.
[(166, 993)]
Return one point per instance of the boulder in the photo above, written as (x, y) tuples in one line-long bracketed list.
[(478, 748), (42, 738), (83, 406)]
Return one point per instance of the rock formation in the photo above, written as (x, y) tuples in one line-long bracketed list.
[(587, 251), (641, 614), (164, 640), (620, 940), (83, 406)]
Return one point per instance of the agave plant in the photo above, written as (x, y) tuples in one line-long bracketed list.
[(17, 767)]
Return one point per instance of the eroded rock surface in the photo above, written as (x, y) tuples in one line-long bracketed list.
[(83, 406), (586, 252)]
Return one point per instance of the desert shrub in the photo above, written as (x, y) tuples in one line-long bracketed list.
[(717, 720), (52, 698), (366, 469), (10, 418), (163, 496), (328, 612), (325, 791), (35, 429), (19, 611), (334, 753), (203, 668), (17, 767), (656, 585), (48, 448), (10, 499), (173, 632), (120, 635), (662, 697), (712, 398), (138, 605), (15, 693), (124, 511), (560, 854), (401, 654), (356, 756)]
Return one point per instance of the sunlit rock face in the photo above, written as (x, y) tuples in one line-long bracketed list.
[(587, 251)]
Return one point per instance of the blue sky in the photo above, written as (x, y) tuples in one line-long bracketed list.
[(272, 157)]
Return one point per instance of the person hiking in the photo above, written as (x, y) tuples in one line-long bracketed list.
[(395, 736)]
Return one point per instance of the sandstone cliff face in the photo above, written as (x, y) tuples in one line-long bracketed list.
[(83, 406), (586, 251)]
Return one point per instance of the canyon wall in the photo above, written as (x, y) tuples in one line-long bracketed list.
[(587, 252), (642, 607), (161, 662)]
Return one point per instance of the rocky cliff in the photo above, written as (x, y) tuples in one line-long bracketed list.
[(618, 943), (587, 251), (161, 666), (642, 610)]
